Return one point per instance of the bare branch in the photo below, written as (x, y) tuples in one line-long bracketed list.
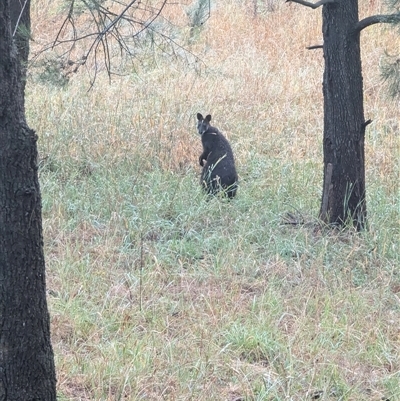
[(315, 47), (312, 5), (68, 20), (377, 19), (124, 30), (108, 28)]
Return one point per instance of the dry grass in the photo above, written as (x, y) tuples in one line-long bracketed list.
[(156, 294)]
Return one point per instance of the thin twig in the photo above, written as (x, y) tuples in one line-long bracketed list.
[(19, 18), (65, 22)]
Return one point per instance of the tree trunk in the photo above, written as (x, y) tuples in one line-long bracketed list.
[(20, 30), (27, 369), (343, 199)]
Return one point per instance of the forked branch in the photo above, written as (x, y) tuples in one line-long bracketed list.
[(312, 5), (377, 19)]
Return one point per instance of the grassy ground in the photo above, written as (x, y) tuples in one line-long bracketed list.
[(156, 294)]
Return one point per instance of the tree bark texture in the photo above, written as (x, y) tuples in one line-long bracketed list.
[(20, 30), (344, 124), (27, 369)]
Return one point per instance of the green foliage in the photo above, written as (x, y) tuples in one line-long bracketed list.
[(393, 5), (263, 7), (390, 66), (391, 73), (78, 7), (198, 13), (51, 72)]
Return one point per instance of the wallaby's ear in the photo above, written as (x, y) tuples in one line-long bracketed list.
[(200, 117), (208, 118)]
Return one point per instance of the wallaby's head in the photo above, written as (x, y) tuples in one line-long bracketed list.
[(203, 123)]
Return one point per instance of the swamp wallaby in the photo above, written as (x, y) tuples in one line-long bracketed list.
[(219, 172)]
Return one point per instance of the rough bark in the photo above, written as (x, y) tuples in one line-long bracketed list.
[(26, 357), (344, 123), (20, 29)]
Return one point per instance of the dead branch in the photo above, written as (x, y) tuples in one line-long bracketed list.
[(377, 19), (366, 123), (315, 47), (312, 5), (363, 128)]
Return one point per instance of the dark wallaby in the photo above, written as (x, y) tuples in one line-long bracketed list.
[(219, 171)]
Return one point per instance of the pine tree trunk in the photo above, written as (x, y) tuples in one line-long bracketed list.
[(343, 199), (27, 369), (20, 30)]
